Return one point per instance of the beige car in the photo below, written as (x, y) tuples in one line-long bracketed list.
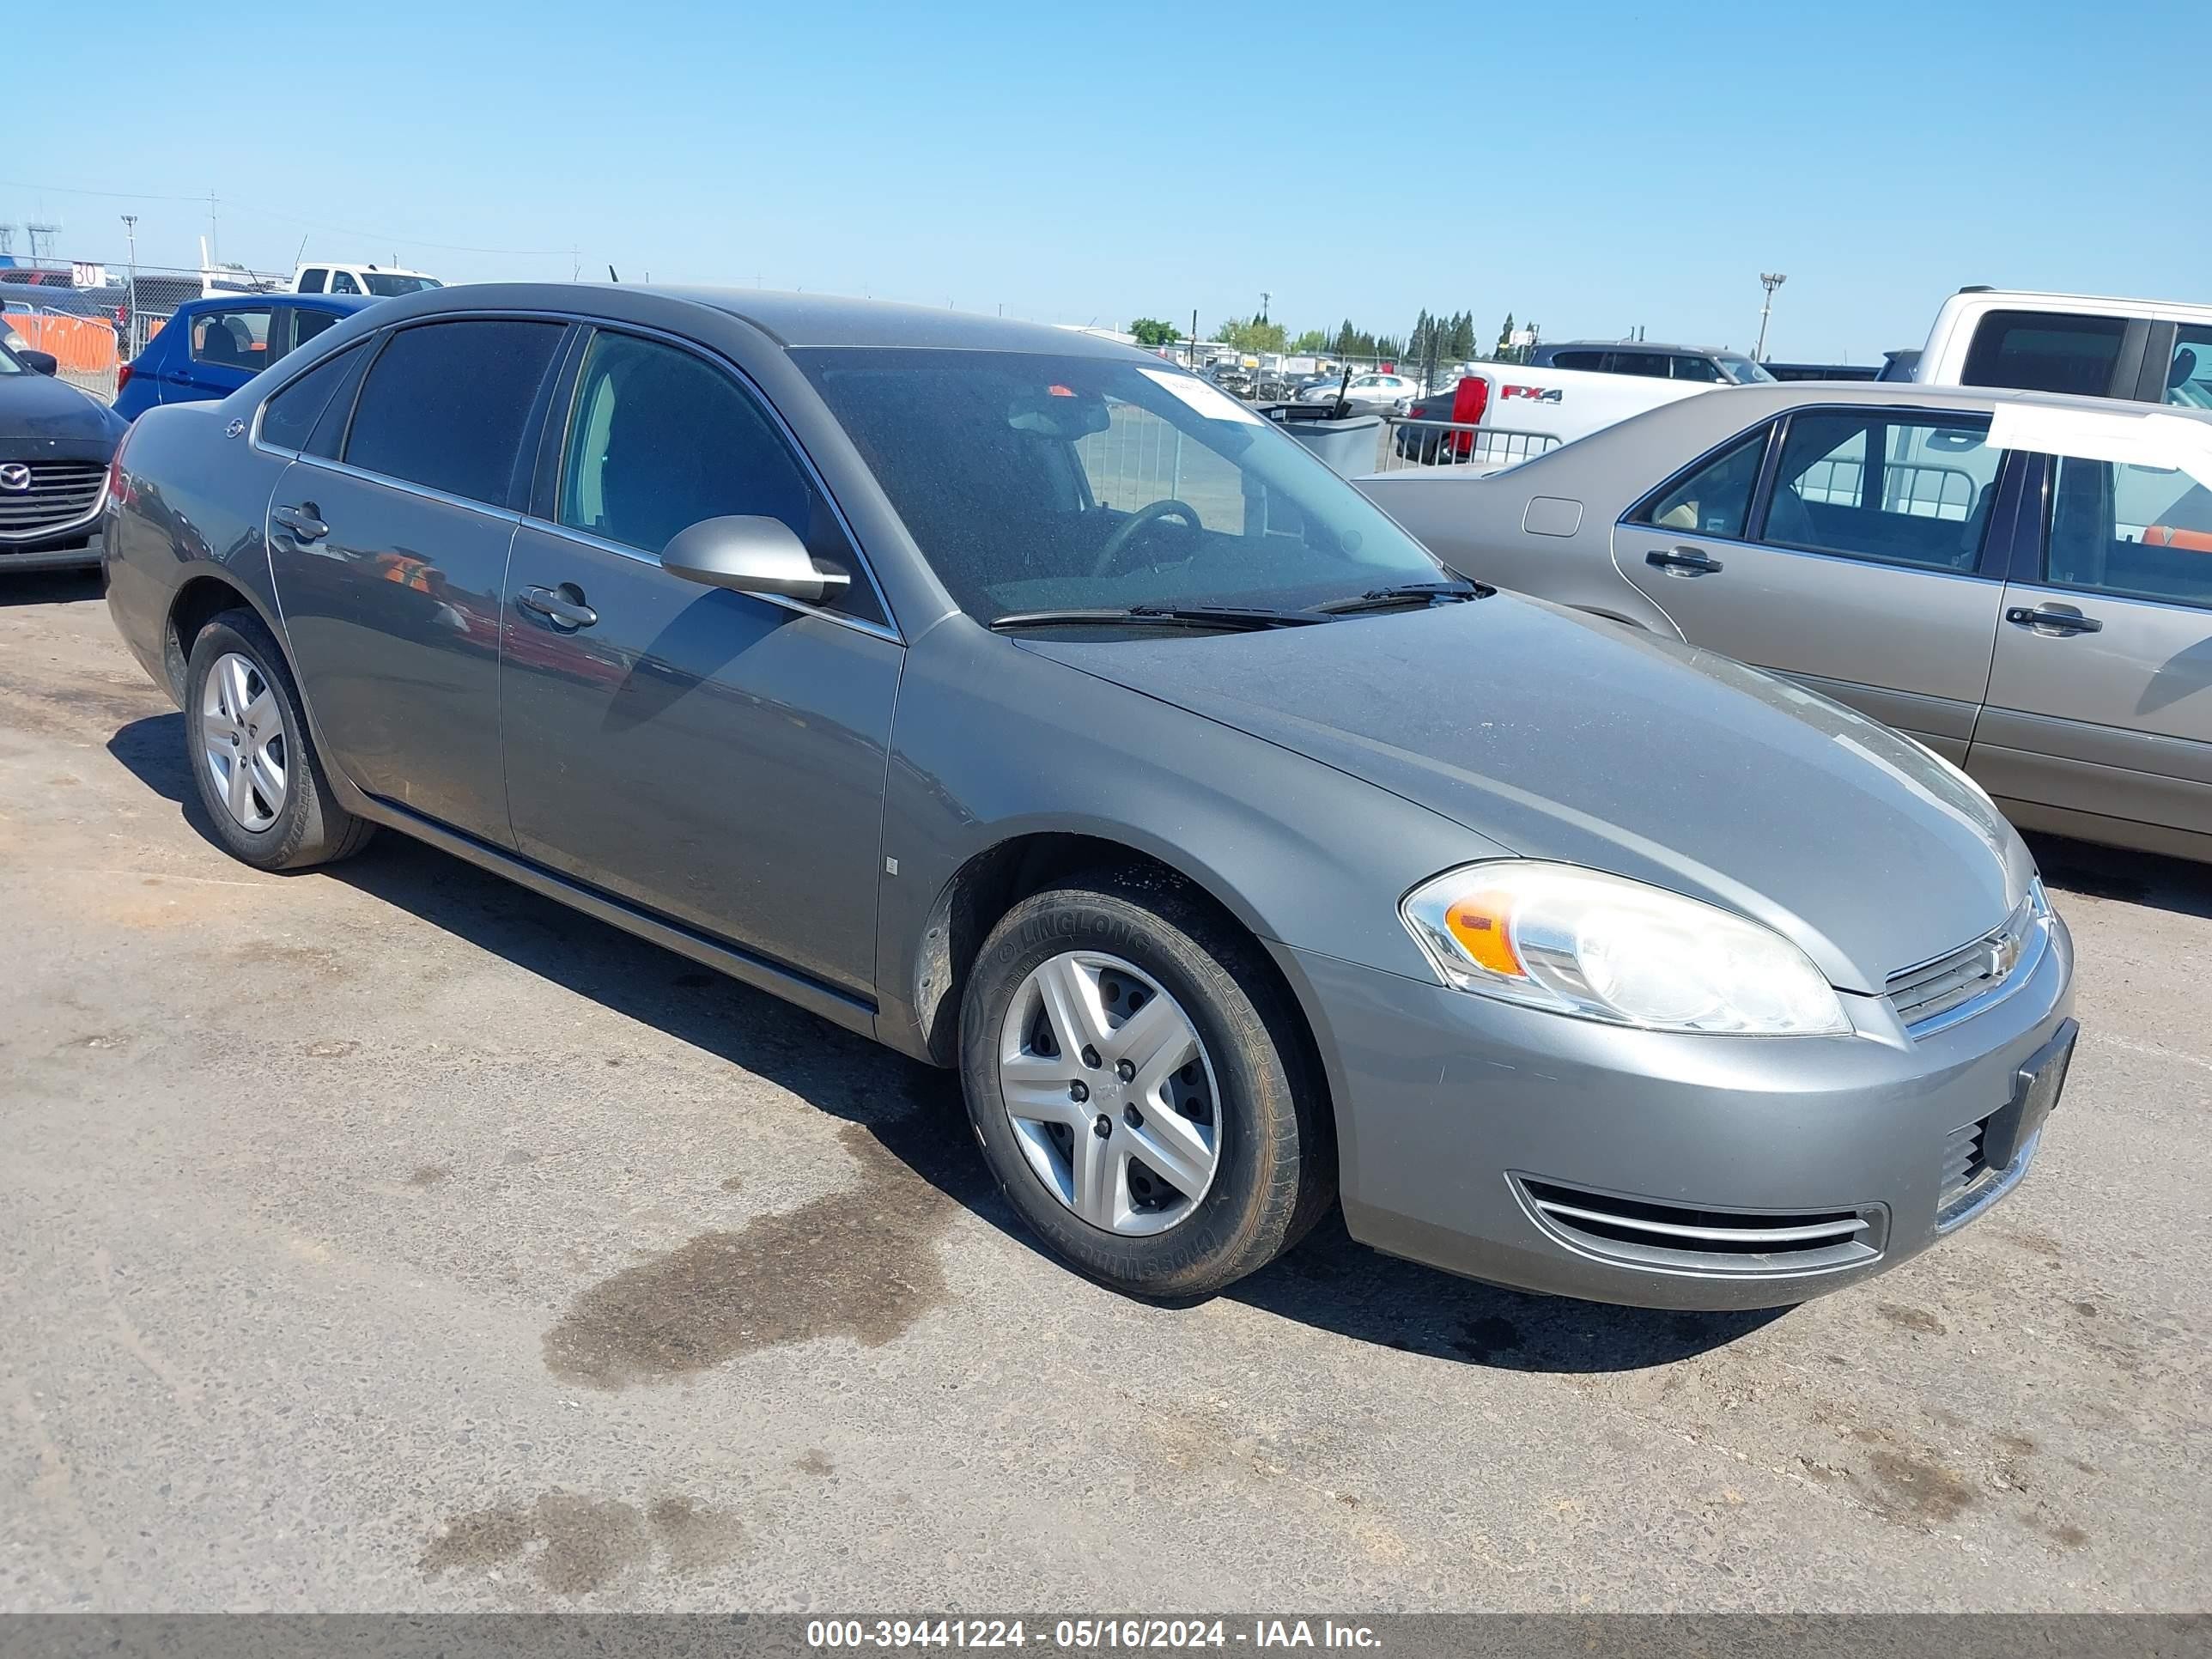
[(2021, 581)]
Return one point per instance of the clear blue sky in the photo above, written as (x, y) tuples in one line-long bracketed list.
[(1593, 166)]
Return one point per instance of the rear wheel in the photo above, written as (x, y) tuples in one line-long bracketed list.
[(1140, 1088), (246, 738)]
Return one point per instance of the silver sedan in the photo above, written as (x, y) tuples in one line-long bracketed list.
[(2022, 582)]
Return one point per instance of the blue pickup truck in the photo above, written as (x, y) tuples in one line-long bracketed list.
[(211, 348)]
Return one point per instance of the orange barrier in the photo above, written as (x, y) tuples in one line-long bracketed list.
[(83, 345)]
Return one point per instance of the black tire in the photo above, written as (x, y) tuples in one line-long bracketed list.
[(311, 828), (1276, 1175)]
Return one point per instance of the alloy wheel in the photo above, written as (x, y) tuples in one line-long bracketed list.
[(243, 742), (1110, 1093)]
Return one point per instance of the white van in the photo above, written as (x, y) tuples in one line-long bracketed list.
[(382, 282)]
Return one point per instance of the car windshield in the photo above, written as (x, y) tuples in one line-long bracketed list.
[(1034, 482), (1744, 372), (389, 283)]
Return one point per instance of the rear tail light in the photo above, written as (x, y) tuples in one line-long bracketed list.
[(122, 378), (1468, 402), (115, 496)]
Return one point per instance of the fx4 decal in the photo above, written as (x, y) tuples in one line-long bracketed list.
[(1536, 394)]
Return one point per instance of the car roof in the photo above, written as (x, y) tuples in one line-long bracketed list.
[(1789, 394), (342, 303), (791, 320), (1641, 345)]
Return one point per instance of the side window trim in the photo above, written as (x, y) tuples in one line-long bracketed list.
[(295, 374), (541, 504), (1633, 518)]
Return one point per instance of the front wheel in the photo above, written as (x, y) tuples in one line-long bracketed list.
[(1140, 1088)]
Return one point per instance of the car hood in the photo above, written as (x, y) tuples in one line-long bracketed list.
[(1559, 736), (39, 406)]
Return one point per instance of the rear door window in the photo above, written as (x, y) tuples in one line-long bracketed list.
[(311, 281), (1900, 490), (233, 339), (1694, 368), (445, 404), (2136, 532), (1586, 361), (2046, 351)]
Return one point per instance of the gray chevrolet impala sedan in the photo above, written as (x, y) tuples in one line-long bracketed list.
[(1032, 707)]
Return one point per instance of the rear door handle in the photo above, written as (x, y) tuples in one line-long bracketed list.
[(301, 522), (1682, 561), (564, 606), (2057, 622)]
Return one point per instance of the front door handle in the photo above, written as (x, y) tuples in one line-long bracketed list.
[(564, 606), (2056, 624), (1682, 561), (301, 522)]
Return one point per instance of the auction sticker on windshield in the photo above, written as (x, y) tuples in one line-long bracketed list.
[(1209, 401)]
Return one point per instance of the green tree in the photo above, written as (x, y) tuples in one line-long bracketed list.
[(1504, 337), (1312, 340), (1257, 336), (1151, 331), (1459, 346)]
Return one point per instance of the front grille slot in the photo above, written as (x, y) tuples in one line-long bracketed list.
[(1644, 1232), (61, 493), (1929, 996), (1965, 1162)]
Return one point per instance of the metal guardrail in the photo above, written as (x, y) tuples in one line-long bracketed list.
[(1410, 444)]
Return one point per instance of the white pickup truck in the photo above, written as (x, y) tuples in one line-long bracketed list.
[(2138, 350)]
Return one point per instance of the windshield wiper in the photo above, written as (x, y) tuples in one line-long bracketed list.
[(1158, 615), (1378, 599)]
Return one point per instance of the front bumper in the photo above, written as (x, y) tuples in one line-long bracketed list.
[(75, 550), (1552, 1154)]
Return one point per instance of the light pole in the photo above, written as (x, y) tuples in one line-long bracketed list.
[(1769, 280), (130, 233)]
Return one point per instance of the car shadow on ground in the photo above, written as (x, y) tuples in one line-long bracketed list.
[(52, 587), (2114, 872), (914, 1112)]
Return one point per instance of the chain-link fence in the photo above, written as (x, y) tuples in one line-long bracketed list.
[(91, 332)]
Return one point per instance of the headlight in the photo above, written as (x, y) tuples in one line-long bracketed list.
[(1579, 942)]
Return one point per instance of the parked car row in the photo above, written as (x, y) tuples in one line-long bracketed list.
[(55, 444), (2022, 582), (1038, 709)]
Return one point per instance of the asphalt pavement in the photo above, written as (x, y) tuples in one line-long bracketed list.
[(388, 1238)]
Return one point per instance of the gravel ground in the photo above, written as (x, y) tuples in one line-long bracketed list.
[(389, 1238)]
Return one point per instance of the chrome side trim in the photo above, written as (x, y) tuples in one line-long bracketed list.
[(504, 515), (1748, 1238)]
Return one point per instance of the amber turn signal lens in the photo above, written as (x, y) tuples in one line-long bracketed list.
[(1477, 921)]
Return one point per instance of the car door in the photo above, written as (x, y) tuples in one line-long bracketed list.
[(715, 757), (388, 546), (2100, 698), (1862, 573), (224, 348)]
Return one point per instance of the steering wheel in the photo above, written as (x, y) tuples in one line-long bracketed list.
[(1151, 513)]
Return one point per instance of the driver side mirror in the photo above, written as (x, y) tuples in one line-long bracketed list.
[(749, 554), (44, 361)]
